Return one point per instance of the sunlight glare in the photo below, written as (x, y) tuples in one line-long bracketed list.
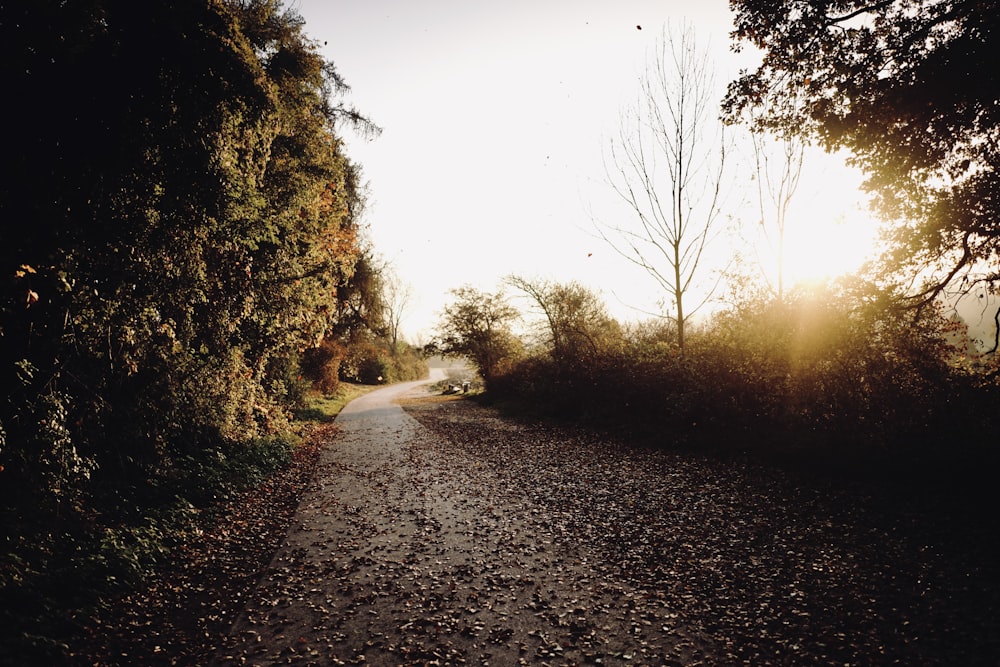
[(825, 248)]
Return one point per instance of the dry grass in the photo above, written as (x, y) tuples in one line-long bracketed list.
[(429, 399)]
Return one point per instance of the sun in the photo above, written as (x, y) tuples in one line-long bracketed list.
[(826, 247), (826, 244), (830, 230)]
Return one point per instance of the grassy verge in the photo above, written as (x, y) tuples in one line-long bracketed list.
[(323, 409)]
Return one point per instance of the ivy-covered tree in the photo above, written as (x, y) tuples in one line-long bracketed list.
[(178, 218), (182, 218), (910, 89)]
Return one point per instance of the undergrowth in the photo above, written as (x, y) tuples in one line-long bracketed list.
[(59, 567)]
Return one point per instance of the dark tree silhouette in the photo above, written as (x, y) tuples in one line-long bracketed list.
[(912, 91)]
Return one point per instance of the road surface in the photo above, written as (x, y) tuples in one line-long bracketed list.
[(465, 538)]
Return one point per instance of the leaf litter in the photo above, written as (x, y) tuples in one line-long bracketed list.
[(458, 537)]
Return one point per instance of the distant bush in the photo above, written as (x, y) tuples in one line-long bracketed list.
[(407, 364), (369, 359)]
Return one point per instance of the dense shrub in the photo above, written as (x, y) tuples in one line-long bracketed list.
[(373, 360), (321, 365), (826, 369), (406, 363)]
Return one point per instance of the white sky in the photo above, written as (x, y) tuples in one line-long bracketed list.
[(495, 116)]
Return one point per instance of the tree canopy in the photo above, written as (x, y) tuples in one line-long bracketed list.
[(910, 89)]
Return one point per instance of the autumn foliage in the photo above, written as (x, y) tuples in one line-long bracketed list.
[(180, 222)]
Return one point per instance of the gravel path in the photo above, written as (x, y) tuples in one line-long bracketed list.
[(445, 535)]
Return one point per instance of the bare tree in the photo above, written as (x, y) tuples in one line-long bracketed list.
[(777, 169), (577, 323), (667, 165), (396, 299)]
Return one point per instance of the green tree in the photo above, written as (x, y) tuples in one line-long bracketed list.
[(196, 219), (361, 303), (477, 325), (910, 89)]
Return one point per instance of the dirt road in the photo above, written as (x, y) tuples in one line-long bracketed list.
[(449, 536)]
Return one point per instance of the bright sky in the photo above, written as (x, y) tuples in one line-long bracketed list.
[(495, 118)]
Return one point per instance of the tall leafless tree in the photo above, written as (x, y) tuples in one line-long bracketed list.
[(777, 168), (396, 297), (667, 165)]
